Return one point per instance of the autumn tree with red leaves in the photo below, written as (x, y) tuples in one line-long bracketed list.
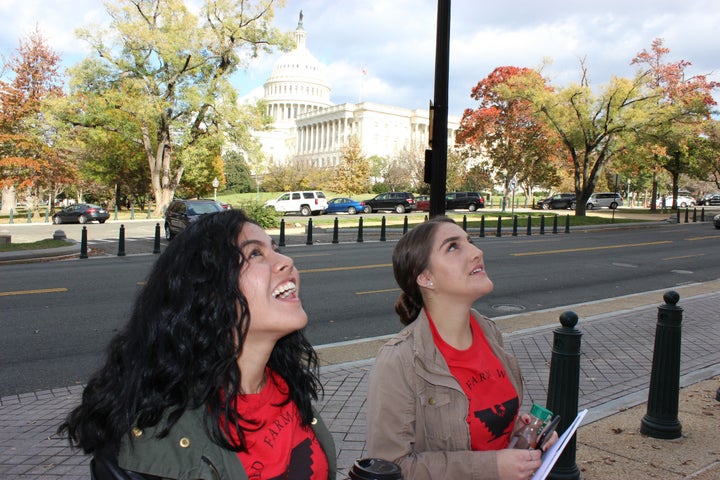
[(505, 130), (27, 160), (674, 143)]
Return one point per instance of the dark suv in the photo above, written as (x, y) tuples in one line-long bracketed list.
[(464, 200), (400, 202), (559, 200), (181, 213)]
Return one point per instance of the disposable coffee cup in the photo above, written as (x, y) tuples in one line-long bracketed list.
[(375, 469)]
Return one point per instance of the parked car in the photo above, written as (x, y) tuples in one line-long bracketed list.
[(400, 202), (81, 213), (344, 204), (422, 203), (604, 199), (464, 200), (683, 201), (710, 199), (716, 221), (181, 213), (559, 200), (311, 202)]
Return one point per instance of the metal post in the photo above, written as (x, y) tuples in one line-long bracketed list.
[(542, 224), (661, 419), (335, 231), (677, 215), (382, 230), (555, 224), (360, 230), (515, 222), (694, 214), (702, 214), (498, 231), (564, 388), (281, 241), (309, 240), (686, 214), (464, 224), (567, 223), (156, 244), (121, 242), (529, 225), (83, 243), (405, 225), (482, 226)]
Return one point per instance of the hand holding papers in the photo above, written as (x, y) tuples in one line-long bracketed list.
[(550, 457)]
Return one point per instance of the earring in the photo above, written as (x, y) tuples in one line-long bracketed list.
[(430, 284)]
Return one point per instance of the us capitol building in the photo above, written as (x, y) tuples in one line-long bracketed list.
[(307, 127)]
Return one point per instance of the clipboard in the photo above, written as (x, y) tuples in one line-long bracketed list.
[(551, 456)]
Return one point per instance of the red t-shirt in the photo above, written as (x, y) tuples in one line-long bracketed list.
[(493, 401), (279, 447)]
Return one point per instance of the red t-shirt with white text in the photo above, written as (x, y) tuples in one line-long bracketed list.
[(279, 447), (493, 400)]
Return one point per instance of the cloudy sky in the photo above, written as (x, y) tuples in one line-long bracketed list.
[(394, 40)]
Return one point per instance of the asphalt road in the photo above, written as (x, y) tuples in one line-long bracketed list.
[(57, 317)]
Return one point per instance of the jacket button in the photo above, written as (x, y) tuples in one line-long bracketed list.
[(431, 400), (136, 432), (313, 421), (405, 333), (184, 442)]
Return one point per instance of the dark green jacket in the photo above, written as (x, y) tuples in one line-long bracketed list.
[(188, 453)]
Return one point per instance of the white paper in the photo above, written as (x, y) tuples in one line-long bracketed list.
[(550, 457)]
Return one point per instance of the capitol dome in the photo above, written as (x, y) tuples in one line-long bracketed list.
[(298, 83)]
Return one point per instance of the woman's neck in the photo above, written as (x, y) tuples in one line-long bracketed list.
[(452, 323), (252, 363)]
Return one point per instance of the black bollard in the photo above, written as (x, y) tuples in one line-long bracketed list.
[(686, 215), (567, 223), (515, 221), (405, 225), (281, 241), (482, 226), (498, 232), (464, 224), (121, 242), (555, 223), (83, 243), (335, 231), (309, 240), (563, 390), (661, 419), (677, 215), (529, 225), (694, 214), (382, 230), (360, 230), (542, 224), (156, 243), (702, 214)]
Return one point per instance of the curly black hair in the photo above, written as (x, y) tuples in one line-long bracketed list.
[(180, 347)]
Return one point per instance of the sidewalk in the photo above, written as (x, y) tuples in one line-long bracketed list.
[(617, 349)]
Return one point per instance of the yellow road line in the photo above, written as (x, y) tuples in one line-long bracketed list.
[(339, 269), (33, 292), (587, 249), (690, 239), (684, 256), (378, 291)]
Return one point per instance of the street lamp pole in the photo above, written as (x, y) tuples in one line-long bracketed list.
[(215, 184)]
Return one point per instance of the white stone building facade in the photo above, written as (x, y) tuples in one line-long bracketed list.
[(307, 127)]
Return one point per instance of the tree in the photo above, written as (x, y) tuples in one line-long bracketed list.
[(165, 72), (506, 130), (25, 152), (238, 177), (686, 105), (352, 175)]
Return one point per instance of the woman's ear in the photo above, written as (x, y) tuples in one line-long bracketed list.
[(425, 280)]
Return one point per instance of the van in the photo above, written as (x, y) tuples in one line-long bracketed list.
[(464, 200), (604, 199), (304, 202)]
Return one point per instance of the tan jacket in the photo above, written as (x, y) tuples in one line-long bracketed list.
[(417, 410)]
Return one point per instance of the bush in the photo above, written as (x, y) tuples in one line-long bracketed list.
[(266, 217)]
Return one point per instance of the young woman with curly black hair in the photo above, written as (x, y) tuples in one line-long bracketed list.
[(212, 377)]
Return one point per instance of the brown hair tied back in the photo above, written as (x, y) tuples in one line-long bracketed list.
[(410, 258)]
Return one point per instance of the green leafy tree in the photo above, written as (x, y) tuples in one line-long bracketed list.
[(166, 72), (352, 174), (238, 177)]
